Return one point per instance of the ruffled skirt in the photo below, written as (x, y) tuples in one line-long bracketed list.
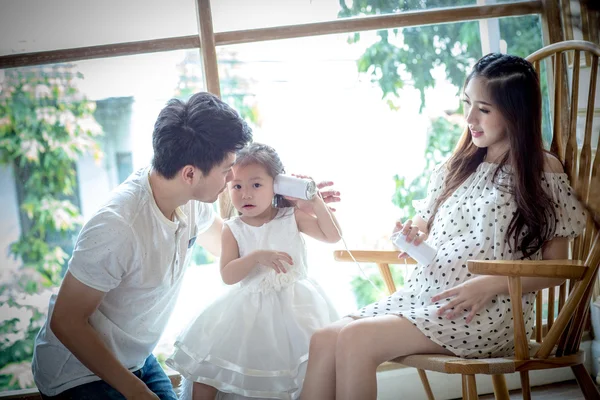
[(253, 344)]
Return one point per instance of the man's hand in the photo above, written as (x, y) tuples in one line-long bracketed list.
[(328, 196), (143, 394)]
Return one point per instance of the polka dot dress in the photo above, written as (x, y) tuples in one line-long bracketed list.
[(472, 224)]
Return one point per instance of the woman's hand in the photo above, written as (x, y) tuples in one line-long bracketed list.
[(274, 259), (469, 296), (412, 232)]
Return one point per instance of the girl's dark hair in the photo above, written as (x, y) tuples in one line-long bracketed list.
[(262, 154), (515, 92)]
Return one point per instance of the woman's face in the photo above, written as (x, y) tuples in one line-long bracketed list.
[(487, 125)]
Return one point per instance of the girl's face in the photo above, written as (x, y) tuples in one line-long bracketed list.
[(251, 190), (487, 126)]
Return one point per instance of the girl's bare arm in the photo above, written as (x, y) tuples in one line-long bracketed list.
[(235, 268), (322, 226)]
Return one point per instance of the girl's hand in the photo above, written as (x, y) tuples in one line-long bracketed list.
[(274, 259), (469, 296), (412, 234)]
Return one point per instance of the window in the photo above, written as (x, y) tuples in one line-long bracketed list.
[(25, 26), (232, 15), (357, 113), (44, 200)]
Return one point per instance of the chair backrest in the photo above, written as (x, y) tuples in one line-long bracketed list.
[(577, 149)]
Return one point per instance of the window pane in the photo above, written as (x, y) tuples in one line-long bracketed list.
[(328, 120), (40, 25), (44, 104), (231, 15), (26, 27), (354, 113)]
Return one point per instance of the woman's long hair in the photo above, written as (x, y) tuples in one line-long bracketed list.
[(515, 92)]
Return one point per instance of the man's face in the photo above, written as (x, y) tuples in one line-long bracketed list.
[(209, 186)]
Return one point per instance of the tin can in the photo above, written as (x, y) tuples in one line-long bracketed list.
[(423, 253), (291, 186)]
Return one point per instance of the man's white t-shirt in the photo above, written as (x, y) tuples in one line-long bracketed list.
[(131, 251)]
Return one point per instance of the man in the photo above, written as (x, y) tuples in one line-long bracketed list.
[(128, 263)]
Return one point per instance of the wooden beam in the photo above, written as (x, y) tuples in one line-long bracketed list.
[(400, 20), (103, 51), (376, 22), (208, 48), (376, 256), (210, 74), (552, 32), (567, 18), (566, 269), (551, 23), (489, 32)]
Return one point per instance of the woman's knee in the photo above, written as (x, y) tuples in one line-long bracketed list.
[(324, 340), (351, 339)]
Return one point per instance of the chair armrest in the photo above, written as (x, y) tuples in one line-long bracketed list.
[(374, 256), (566, 269)]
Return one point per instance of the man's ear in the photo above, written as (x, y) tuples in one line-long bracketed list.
[(189, 172)]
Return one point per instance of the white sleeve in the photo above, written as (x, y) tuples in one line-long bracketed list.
[(571, 215), (205, 216), (425, 207), (104, 252)]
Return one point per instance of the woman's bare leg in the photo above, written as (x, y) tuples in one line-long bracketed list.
[(200, 391), (366, 343), (319, 383)]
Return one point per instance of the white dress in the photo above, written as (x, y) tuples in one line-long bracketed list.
[(253, 341), (472, 224)]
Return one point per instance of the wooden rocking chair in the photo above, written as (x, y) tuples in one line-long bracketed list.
[(556, 345)]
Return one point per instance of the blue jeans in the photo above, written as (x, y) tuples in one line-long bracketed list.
[(151, 374)]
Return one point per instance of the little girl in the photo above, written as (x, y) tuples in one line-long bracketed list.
[(253, 342)]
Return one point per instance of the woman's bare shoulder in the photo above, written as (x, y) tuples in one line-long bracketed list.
[(552, 164)]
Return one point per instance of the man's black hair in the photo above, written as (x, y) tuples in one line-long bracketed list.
[(199, 132)]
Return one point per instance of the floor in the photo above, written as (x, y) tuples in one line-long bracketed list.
[(556, 391)]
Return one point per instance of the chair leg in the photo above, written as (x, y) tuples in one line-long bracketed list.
[(500, 389), (525, 385), (465, 385), (425, 382), (585, 382), (471, 387)]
